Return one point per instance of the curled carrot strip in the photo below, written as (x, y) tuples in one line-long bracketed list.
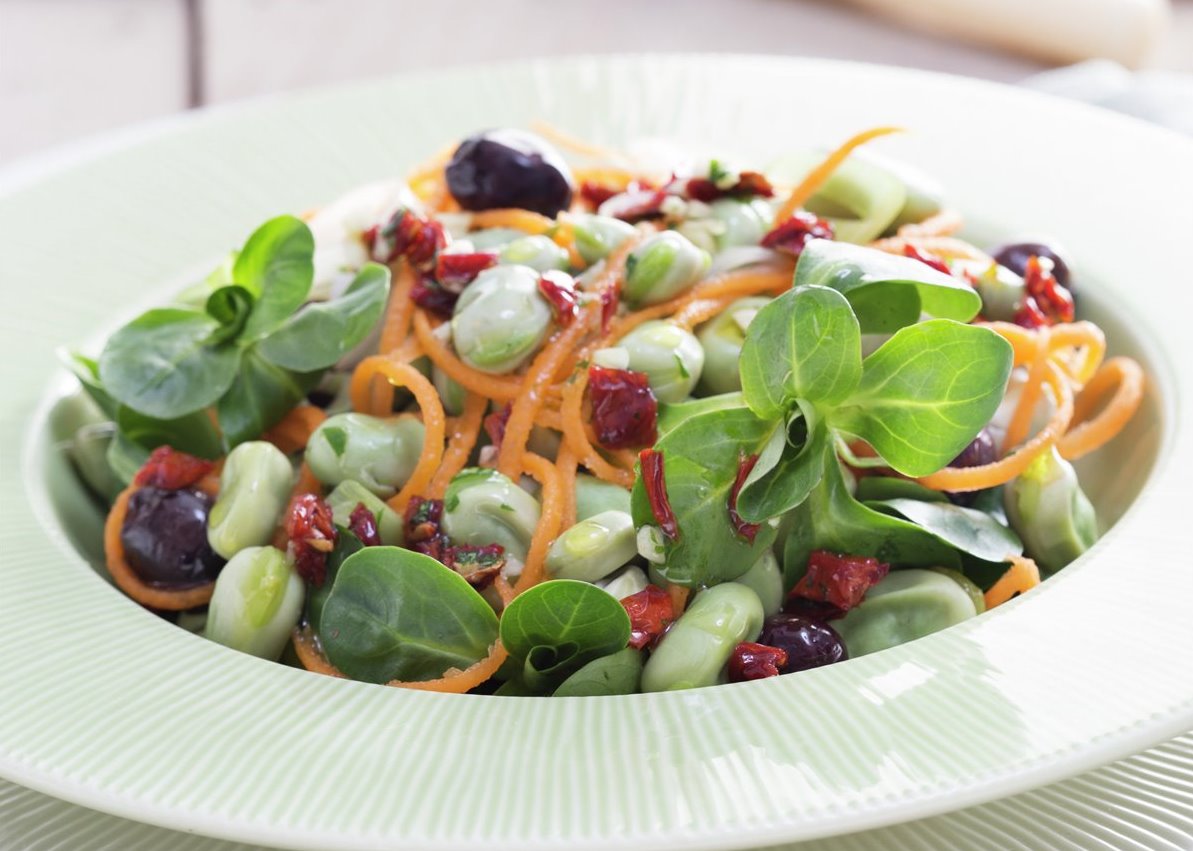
[(1126, 376), (817, 176), (948, 247), (311, 656), (1030, 393), (295, 429), (1000, 472), (1085, 336), (512, 217), (399, 310), (565, 469), (550, 519), (496, 387), (404, 375), (1021, 576), (530, 400), (679, 599), (465, 430), (126, 579), (944, 223)]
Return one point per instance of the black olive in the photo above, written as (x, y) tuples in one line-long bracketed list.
[(809, 643), (165, 538), (509, 168), (1015, 255)]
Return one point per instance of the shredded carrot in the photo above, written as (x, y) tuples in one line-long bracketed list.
[(292, 433), (1021, 576), (127, 580), (307, 649), (817, 176), (1126, 376), (404, 375), (496, 387), (608, 176), (944, 223), (701, 310), (679, 599), (399, 310), (512, 217), (948, 247), (530, 400), (1029, 394), (465, 430), (565, 237), (550, 519), (505, 591), (1085, 337), (1000, 472), (565, 469)]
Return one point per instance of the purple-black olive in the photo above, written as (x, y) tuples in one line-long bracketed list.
[(1014, 256), (509, 168), (165, 538), (809, 643)]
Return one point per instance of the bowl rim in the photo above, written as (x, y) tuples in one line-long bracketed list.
[(114, 794)]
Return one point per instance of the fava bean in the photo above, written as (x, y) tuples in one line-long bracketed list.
[(722, 339), (694, 652), (593, 548), (626, 582), (597, 236), (256, 603), (378, 452), (481, 507), (671, 357), (662, 267), (500, 319), (350, 493), (254, 488), (594, 496), (766, 580), (1051, 513), (538, 252), (906, 605), (451, 393)]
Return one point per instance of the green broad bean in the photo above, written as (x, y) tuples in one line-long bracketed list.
[(626, 582), (722, 339), (492, 239), (662, 267), (256, 603), (860, 199), (765, 579), (743, 222), (538, 252), (451, 392), (1051, 513), (481, 507), (594, 496), (593, 548), (500, 319), (694, 652), (925, 195), (671, 357), (967, 585), (597, 236), (378, 452), (1002, 292), (254, 489), (350, 493), (906, 605)]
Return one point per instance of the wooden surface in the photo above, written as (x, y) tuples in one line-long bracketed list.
[(70, 68)]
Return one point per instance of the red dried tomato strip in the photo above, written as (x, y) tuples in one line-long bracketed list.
[(407, 235), (1053, 300), (747, 530), (927, 258), (750, 661), (748, 183), (169, 469), (1029, 314), (635, 205), (841, 580), (479, 565), (650, 611), (363, 524), (424, 527), (428, 294), (453, 272), (312, 534), (654, 481), (556, 289), (625, 413), (792, 235), (496, 422), (610, 299)]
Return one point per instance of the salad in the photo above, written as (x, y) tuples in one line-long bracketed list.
[(533, 425)]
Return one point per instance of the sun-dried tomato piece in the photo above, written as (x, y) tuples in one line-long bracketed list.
[(841, 580), (478, 565), (169, 469), (635, 205), (496, 422), (594, 194), (454, 272), (753, 183), (927, 258), (706, 190), (557, 289), (746, 530), (428, 294), (407, 235), (654, 480), (363, 524), (750, 661), (312, 534), (1053, 300), (650, 611), (625, 412), (1029, 314), (791, 236), (424, 527), (610, 299)]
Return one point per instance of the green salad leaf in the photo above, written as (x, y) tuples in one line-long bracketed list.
[(617, 673), (773, 489), (973, 532), (260, 396), (886, 291), (277, 266), (346, 545), (394, 614), (557, 627)]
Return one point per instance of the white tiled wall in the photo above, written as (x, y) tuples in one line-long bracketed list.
[(69, 68)]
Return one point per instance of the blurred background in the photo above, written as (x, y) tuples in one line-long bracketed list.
[(70, 68)]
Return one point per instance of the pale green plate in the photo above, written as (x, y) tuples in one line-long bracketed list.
[(105, 705)]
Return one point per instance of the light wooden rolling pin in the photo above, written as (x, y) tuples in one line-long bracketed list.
[(1055, 30)]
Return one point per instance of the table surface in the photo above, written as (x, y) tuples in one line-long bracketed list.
[(71, 68)]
